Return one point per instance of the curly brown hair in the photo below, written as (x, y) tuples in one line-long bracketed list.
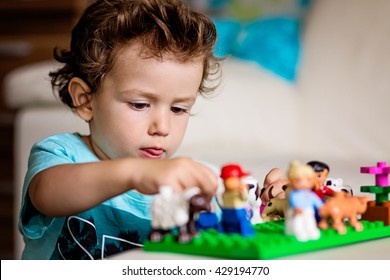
[(162, 26)]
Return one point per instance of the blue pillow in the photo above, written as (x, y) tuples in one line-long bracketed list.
[(274, 43), (272, 38), (228, 31)]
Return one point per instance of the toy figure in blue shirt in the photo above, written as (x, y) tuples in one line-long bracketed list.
[(133, 72), (300, 219)]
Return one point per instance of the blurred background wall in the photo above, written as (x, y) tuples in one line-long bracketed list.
[(29, 30)]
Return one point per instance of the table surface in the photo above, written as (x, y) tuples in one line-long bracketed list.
[(378, 249)]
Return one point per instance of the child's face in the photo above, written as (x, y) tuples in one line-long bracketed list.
[(142, 108)]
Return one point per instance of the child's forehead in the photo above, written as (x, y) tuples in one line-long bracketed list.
[(136, 49)]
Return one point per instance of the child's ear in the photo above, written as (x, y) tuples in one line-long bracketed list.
[(81, 97)]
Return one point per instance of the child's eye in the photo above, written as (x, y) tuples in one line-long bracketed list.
[(178, 110), (139, 106)]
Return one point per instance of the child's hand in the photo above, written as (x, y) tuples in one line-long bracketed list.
[(180, 173)]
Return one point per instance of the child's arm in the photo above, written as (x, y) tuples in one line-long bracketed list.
[(73, 188)]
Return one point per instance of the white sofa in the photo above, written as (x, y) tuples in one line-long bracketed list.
[(335, 112)]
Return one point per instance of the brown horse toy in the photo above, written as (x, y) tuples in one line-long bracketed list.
[(340, 207)]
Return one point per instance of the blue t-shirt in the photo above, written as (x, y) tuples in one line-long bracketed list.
[(304, 199), (118, 224)]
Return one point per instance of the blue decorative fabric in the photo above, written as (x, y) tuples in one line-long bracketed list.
[(228, 31), (273, 40), (273, 43)]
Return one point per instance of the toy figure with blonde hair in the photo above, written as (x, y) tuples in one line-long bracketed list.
[(300, 217)]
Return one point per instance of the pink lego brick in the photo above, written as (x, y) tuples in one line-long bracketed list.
[(381, 172)]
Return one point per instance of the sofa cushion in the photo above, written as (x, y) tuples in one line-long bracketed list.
[(29, 85)]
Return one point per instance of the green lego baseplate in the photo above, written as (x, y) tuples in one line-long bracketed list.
[(269, 242)]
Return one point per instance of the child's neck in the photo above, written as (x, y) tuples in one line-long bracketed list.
[(95, 149)]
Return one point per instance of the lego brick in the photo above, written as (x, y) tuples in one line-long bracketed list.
[(381, 193), (378, 212), (269, 242), (375, 189), (381, 172)]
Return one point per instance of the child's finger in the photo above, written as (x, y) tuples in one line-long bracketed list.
[(206, 179)]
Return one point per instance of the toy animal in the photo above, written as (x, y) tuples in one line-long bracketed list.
[(274, 210), (197, 203), (340, 207), (254, 201), (171, 210), (274, 186), (337, 185)]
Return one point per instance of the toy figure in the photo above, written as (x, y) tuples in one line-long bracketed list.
[(234, 201), (322, 170), (300, 219), (171, 210), (326, 187), (274, 186), (254, 201), (340, 207)]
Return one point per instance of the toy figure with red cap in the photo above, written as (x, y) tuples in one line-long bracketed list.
[(234, 201)]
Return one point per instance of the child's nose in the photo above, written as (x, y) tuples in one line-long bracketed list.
[(160, 123)]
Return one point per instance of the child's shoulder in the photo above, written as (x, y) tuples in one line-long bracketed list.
[(62, 139), (68, 144)]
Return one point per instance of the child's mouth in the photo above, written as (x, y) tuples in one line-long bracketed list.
[(152, 153)]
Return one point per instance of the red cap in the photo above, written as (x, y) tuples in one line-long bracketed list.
[(232, 170)]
